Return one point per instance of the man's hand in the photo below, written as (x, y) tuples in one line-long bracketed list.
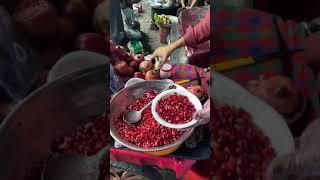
[(302, 164), (203, 115), (163, 53), (182, 3)]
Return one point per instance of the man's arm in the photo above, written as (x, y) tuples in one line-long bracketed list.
[(193, 3), (194, 36), (182, 3), (198, 34)]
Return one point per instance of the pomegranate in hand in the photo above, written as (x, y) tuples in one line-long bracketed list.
[(196, 90), (278, 91)]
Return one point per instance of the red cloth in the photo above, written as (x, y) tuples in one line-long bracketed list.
[(198, 34), (180, 166)]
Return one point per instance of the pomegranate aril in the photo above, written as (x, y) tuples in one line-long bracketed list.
[(176, 109), (147, 132), (240, 150)]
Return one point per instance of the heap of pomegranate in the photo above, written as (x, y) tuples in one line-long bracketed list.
[(55, 27), (148, 132), (87, 139), (239, 148), (176, 109), (128, 65)]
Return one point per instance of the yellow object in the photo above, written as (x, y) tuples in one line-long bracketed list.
[(182, 82), (164, 152), (233, 64)]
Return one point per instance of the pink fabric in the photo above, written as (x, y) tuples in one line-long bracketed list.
[(198, 34), (311, 47), (181, 167)]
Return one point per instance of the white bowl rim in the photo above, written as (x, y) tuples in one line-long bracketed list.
[(192, 98)]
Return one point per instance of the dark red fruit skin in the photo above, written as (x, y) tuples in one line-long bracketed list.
[(139, 58), (130, 71), (138, 75), (152, 75), (92, 42), (114, 59), (77, 10), (122, 68), (134, 65)]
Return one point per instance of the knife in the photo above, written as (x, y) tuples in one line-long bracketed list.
[(188, 80), (250, 60)]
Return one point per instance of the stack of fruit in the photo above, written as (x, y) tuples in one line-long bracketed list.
[(129, 65), (56, 27), (161, 19)]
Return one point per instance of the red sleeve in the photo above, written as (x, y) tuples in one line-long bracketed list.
[(198, 34)]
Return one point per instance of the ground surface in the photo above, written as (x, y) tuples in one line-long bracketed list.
[(151, 38)]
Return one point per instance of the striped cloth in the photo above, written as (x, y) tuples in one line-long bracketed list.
[(245, 32)]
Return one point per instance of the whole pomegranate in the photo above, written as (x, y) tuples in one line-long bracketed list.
[(134, 65), (145, 66), (138, 75), (278, 91), (196, 90), (152, 75), (114, 59), (139, 58), (38, 19), (78, 11), (122, 68), (91, 42)]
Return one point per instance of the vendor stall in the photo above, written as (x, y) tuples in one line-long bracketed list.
[(139, 74), (54, 60), (178, 159)]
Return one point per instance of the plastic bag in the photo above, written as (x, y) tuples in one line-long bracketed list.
[(115, 81), (19, 70)]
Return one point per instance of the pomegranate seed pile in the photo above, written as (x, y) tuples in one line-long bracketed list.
[(240, 150), (176, 109), (87, 139), (147, 132)]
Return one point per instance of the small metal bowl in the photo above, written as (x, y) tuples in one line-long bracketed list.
[(126, 97)]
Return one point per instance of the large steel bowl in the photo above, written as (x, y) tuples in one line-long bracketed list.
[(126, 97), (53, 110)]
